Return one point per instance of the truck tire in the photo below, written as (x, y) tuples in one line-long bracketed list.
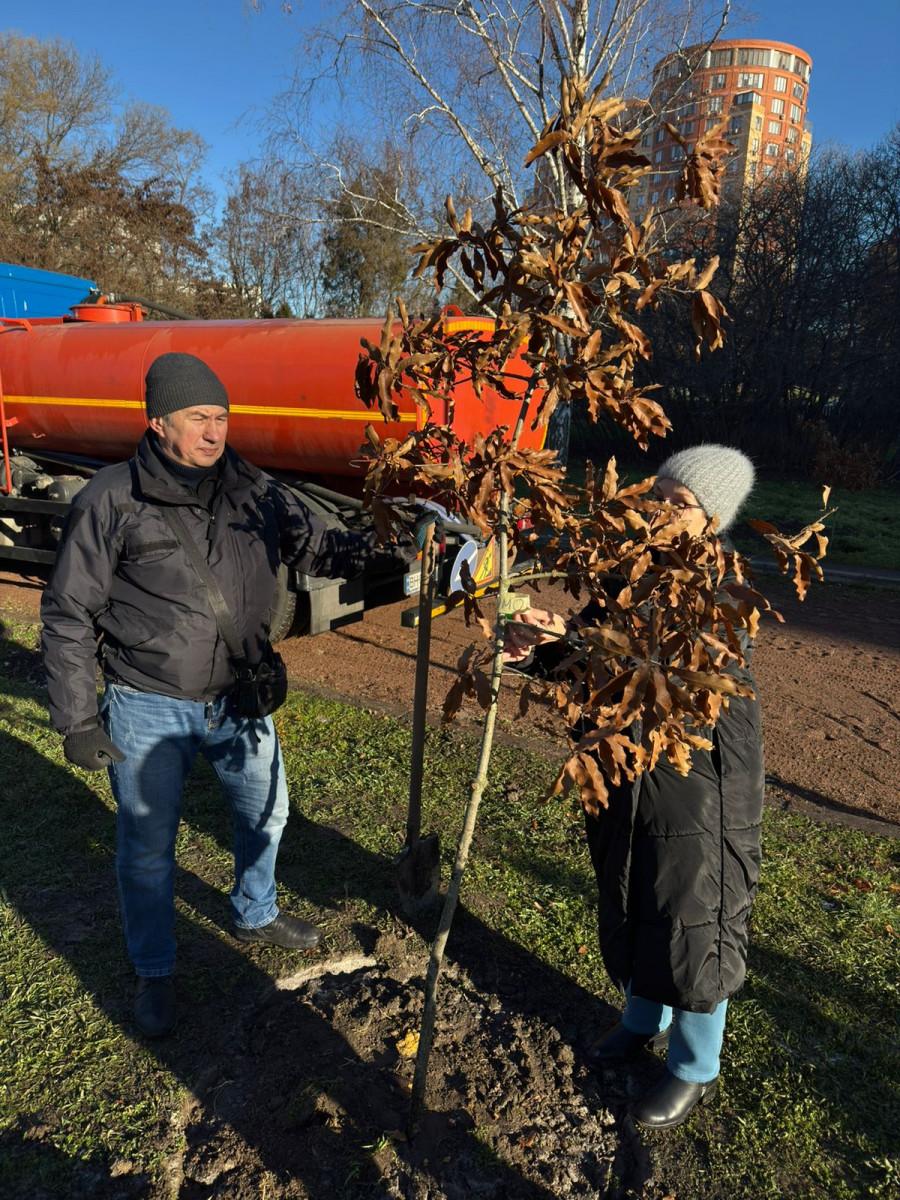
[(284, 607)]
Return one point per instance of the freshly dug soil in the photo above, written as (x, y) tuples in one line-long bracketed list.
[(526, 1121)]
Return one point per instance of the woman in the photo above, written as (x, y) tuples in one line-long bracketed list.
[(677, 858)]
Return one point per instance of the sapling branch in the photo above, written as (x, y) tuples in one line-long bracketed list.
[(436, 959)]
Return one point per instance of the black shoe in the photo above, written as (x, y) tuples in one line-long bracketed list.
[(154, 1006), (672, 1101), (620, 1044), (290, 932)]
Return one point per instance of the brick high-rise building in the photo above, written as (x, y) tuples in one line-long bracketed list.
[(763, 89)]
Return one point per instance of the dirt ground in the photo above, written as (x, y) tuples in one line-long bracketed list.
[(528, 1121), (829, 678)]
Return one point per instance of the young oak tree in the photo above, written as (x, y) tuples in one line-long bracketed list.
[(569, 284)]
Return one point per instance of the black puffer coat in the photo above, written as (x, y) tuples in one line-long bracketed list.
[(677, 864), (123, 581)]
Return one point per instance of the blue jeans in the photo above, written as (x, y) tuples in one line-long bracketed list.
[(695, 1042), (161, 736)]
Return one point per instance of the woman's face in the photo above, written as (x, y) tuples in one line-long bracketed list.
[(691, 516)]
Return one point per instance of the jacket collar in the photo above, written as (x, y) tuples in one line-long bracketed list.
[(154, 482)]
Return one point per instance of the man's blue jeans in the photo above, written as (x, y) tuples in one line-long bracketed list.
[(696, 1039), (161, 736)]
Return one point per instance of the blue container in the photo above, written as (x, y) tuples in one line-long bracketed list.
[(28, 292)]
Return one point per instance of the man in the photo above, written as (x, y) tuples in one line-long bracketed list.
[(124, 581)]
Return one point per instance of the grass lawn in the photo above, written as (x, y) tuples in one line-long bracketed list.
[(809, 1106), (864, 531)]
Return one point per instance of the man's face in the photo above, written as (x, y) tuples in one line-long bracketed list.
[(194, 437)]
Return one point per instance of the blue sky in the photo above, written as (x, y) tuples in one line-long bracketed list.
[(854, 48), (217, 64)]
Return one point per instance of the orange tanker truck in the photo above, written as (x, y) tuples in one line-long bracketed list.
[(71, 400)]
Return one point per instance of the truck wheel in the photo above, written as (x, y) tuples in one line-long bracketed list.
[(284, 607)]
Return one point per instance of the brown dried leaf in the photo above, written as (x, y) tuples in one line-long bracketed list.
[(548, 142), (707, 314), (704, 279), (724, 684)]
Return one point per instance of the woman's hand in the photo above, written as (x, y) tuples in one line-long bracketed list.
[(528, 629)]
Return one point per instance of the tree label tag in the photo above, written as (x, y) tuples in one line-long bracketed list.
[(515, 604)]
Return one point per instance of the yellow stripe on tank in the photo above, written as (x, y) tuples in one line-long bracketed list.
[(337, 414), (73, 401), (240, 409)]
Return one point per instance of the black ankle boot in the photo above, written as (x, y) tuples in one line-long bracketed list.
[(620, 1045), (292, 933), (154, 1006), (672, 1101)]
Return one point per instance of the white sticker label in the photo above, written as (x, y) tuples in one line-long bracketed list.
[(515, 603)]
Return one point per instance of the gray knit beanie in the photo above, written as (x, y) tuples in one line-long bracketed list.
[(719, 476), (177, 381)]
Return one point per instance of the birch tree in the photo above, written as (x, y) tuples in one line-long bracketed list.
[(481, 78)]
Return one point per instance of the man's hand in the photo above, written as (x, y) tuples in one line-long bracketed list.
[(529, 629), (91, 749)]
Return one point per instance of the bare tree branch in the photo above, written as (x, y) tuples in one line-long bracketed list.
[(406, 58)]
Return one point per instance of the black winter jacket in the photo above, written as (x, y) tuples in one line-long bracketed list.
[(677, 864), (122, 581)]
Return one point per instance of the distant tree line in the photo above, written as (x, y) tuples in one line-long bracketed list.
[(810, 372), (94, 187), (115, 192)]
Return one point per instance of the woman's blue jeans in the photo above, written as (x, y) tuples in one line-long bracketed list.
[(161, 736), (695, 1042)]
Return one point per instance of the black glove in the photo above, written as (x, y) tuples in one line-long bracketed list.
[(91, 749)]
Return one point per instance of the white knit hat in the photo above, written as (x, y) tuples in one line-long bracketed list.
[(719, 476)]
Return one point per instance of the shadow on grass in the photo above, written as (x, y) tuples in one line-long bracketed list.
[(48, 889), (31, 1169), (58, 876), (845, 1063), (856, 815)]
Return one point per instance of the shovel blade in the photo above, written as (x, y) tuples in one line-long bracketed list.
[(418, 873)]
